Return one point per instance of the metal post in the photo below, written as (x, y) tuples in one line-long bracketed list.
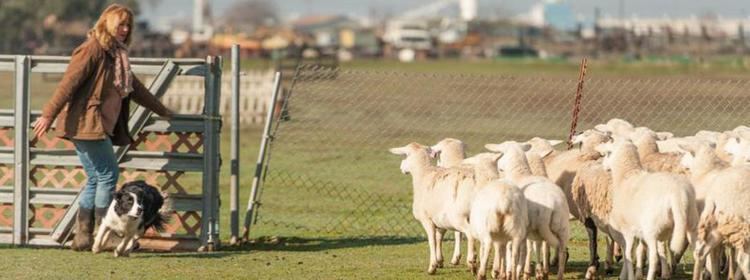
[(211, 156), (234, 200), (21, 153), (251, 202)]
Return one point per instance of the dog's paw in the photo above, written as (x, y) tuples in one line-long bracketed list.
[(96, 249)]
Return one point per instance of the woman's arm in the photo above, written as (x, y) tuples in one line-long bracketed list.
[(143, 96), (81, 67)]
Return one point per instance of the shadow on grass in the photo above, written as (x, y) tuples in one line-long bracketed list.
[(298, 244), (290, 244)]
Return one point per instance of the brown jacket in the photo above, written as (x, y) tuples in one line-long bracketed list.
[(77, 100)]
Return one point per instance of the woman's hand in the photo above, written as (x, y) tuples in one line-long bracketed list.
[(41, 126)]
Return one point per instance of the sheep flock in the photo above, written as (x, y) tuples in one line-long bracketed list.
[(651, 194)]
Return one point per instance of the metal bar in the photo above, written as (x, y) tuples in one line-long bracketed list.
[(251, 202), (210, 219), (137, 121), (234, 200), (21, 153)]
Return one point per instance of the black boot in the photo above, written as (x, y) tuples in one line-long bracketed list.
[(100, 213), (83, 239)]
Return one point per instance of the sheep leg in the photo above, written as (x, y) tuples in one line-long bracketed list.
[(509, 265), (456, 259), (743, 263), (665, 269), (429, 228), (591, 231), (639, 251), (470, 254), (439, 233), (562, 254), (730, 263), (713, 263), (546, 258), (503, 274), (497, 260), (484, 251), (627, 268), (527, 259), (516, 247), (610, 261), (653, 258), (677, 256), (617, 251)]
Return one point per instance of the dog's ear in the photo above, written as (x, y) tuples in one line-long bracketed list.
[(117, 195)]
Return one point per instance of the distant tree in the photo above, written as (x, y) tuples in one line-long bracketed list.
[(27, 24), (246, 15)]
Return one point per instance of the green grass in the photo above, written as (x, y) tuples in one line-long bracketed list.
[(334, 191)]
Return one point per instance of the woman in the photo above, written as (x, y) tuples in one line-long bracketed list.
[(91, 107)]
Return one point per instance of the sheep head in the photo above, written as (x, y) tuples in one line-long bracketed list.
[(739, 148), (616, 126), (448, 148), (541, 146), (483, 159), (605, 149), (509, 150), (416, 155), (591, 137)]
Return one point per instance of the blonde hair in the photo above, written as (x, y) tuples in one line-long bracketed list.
[(106, 26)]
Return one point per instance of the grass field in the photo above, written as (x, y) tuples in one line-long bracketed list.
[(330, 161)]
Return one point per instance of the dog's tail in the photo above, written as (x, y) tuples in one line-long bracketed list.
[(160, 221), (165, 212)]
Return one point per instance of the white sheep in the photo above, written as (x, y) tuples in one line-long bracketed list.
[(562, 168), (541, 152), (499, 217), (665, 203), (651, 157), (441, 199), (592, 198), (450, 152), (547, 206), (720, 191)]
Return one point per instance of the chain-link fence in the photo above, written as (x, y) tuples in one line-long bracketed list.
[(330, 172)]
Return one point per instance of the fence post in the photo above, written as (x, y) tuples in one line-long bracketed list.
[(234, 200), (211, 156), (252, 202), (21, 153)]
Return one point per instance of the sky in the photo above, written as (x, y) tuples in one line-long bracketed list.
[(169, 10)]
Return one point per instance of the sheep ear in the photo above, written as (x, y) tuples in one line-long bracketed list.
[(524, 146), (554, 142), (602, 148), (578, 139), (470, 160), (496, 156), (399, 151), (664, 135), (602, 128), (543, 154), (493, 147), (686, 148), (733, 146)]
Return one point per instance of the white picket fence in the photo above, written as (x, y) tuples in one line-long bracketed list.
[(185, 95)]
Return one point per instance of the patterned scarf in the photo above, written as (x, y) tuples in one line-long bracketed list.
[(123, 75)]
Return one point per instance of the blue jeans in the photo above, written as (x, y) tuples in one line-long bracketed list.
[(100, 165)]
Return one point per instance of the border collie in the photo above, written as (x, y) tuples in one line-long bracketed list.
[(134, 209)]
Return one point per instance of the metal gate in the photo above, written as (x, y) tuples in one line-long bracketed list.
[(40, 178)]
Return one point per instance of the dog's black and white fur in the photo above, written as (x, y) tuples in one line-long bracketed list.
[(134, 209)]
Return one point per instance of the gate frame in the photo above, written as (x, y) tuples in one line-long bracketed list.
[(208, 162)]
